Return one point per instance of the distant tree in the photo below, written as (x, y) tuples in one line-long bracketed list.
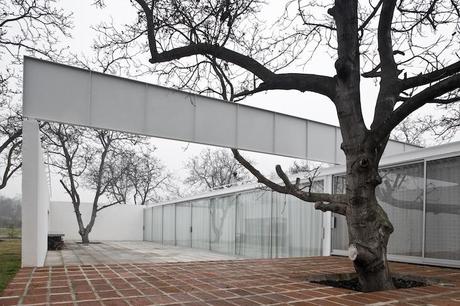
[(10, 212), (31, 27), (212, 169), (87, 158), (142, 177), (413, 130), (444, 127)]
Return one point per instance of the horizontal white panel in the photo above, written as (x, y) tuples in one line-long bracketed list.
[(215, 122), (56, 92), (290, 135), (321, 142), (255, 130), (169, 114), (116, 104)]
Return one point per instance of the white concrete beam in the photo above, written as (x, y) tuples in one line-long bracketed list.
[(60, 93)]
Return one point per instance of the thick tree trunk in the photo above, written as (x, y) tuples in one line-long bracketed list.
[(84, 236), (368, 225)]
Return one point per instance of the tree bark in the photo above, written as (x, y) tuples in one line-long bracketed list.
[(369, 228), (84, 236)]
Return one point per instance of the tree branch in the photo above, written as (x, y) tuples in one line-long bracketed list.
[(10, 139), (337, 208), (424, 79), (150, 25), (369, 18), (425, 96), (108, 205), (223, 53), (303, 82), (289, 188), (385, 44)]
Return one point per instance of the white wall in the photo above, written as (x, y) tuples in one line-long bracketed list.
[(35, 198), (118, 222)]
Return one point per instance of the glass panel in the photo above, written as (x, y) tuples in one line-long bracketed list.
[(279, 226), (148, 224), (339, 226), (297, 226), (183, 224), (157, 226), (401, 196), (443, 209), (222, 212), (169, 234), (253, 224), (200, 224)]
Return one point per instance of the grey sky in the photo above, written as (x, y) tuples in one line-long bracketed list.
[(173, 153)]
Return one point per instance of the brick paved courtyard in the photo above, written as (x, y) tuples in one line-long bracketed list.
[(230, 282)]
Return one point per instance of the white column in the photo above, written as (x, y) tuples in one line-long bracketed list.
[(35, 198)]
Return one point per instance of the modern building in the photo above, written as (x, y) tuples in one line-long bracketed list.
[(420, 192), (420, 189)]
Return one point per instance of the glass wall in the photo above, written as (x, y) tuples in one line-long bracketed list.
[(148, 225), (339, 223), (222, 218), (443, 209), (200, 224), (401, 196), (169, 224), (257, 223), (424, 209), (183, 224), (297, 228), (157, 224), (253, 224)]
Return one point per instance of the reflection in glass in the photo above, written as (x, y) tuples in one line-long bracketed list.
[(222, 211), (169, 228), (401, 196), (148, 224), (443, 209), (183, 224), (200, 224), (253, 224), (339, 223), (157, 224), (296, 226)]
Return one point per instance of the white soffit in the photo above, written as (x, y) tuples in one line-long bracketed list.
[(60, 93)]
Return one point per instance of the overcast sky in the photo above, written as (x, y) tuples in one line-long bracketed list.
[(173, 153)]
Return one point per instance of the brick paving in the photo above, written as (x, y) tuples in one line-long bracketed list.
[(230, 282)]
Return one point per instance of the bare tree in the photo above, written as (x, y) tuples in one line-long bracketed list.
[(212, 169), (414, 131), (87, 158), (26, 27), (142, 177), (408, 48), (444, 127)]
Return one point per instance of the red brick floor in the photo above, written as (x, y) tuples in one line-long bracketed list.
[(240, 282)]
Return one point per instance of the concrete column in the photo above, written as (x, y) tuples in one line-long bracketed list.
[(35, 198)]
